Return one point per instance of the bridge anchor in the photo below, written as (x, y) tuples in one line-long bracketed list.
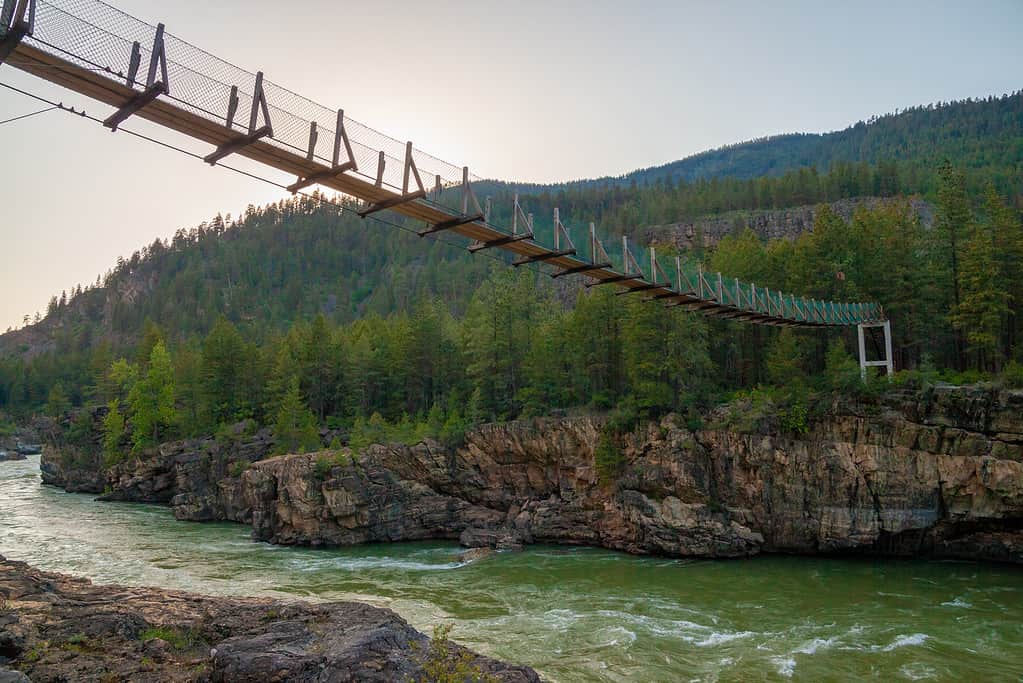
[(17, 20), (887, 362)]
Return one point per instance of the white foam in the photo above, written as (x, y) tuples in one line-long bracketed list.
[(918, 672), (812, 646), (721, 638), (618, 636), (904, 641), (786, 665), (958, 602)]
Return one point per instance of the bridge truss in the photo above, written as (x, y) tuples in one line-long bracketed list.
[(142, 70)]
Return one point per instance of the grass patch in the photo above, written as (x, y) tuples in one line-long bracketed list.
[(176, 638), (37, 651)]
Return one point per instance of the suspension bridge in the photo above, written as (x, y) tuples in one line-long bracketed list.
[(142, 70)]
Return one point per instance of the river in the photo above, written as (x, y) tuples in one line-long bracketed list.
[(574, 614)]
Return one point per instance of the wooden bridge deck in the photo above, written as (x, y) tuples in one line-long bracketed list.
[(102, 86)]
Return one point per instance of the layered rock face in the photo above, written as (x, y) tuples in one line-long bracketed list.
[(936, 474), (58, 628), (768, 224)]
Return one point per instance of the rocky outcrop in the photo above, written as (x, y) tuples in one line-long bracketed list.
[(768, 224), (937, 473), (58, 628)]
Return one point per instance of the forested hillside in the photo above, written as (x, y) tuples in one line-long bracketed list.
[(984, 136), (299, 313)]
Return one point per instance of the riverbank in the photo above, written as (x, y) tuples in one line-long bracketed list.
[(56, 627), (936, 473), (574, 614)]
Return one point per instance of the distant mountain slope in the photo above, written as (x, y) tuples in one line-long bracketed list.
[(978, 134)]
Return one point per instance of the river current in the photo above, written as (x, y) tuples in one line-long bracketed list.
[(574, 614)]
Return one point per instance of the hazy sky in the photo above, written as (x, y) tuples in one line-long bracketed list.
[(528, 90)]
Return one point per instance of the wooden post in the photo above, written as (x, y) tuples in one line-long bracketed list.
[(232, 106), (407, 169), (380, 169), (7, 15), (313, 137), (863, 352)]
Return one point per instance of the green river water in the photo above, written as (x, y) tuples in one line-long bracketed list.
[(574, 614)]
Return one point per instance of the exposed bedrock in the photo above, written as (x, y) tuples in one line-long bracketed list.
[(934, 474), (59, 628)]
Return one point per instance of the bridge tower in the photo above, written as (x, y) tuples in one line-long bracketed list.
[(887, 362)]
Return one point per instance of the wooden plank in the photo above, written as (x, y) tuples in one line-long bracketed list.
[(584, 268), (391, 202), (500, 241), (542, 257), (645, 288), (238, 143), (616, 278), (450, 223), (166, 113), (134, 104)]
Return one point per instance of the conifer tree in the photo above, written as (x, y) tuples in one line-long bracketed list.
[(295, 425), (151, 400), (983, 300)]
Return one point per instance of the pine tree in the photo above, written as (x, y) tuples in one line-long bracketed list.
[(57, 403), (295, 425), (954, 220), (114, 428), (151, 400), (983, 301), (224, 358)]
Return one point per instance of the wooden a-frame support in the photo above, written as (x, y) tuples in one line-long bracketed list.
[(517, 215), (468, 201), (599, 259), (18, 20), (411, 171), (258, 106), (628, 261), (337, 167), (560, 233), (154, 88), (655, 272)]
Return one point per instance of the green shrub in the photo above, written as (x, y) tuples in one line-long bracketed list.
[(238, 468), (608, 458), (322, 467), (445, 665), (794, 419), (1012, 375)]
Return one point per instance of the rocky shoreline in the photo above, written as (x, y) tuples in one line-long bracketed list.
[(936, 473), (58, 628)]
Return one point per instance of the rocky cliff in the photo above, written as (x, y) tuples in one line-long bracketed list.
[(768, 224), (937, 473), (58, 628)]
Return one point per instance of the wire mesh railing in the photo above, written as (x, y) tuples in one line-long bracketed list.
[(97, 36)]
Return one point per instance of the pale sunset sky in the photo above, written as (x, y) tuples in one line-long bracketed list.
[(533, 91)]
